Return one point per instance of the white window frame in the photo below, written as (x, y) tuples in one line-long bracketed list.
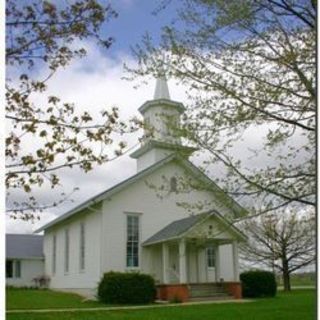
[(137, 215), (82, 246)]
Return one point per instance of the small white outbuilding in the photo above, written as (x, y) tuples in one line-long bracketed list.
[(24, 259)]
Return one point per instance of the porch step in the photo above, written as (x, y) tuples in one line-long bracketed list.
[(211, 298), (208, 288), (205, 293), (204, 290)]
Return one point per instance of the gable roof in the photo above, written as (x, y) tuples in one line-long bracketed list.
[(24, 246), (236, 208), (177, 228), (174, 229)]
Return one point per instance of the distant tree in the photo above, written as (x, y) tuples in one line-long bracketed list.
[(284, 244), (249, 67), (46, 36)]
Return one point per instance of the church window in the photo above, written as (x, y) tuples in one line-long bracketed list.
[(66, 251), (17, 269), (210, 257), (9, 269), (173, 184), (13, 269), (54, 254), (82, 246), (132, 241)]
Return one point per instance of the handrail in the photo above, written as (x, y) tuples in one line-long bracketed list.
[(175, 273)]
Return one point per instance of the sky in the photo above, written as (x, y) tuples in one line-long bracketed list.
[(95, 82), (136, 17)]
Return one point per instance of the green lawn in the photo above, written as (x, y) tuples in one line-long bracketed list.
[(296, 305), (300, 279), (45, 299)]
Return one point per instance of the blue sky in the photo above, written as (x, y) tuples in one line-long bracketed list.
[(135, 19)]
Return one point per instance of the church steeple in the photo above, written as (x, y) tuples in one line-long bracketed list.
[(162, 119), (161, 115), (162, 90)]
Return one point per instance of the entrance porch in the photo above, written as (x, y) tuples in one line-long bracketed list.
[(190, 264)]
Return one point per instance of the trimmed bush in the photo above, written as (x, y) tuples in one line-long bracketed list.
[(126, 288), (258, 283)]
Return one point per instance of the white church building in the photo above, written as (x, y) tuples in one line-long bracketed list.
[(168, 220)]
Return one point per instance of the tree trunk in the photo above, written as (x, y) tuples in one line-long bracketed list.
[(286, 276)]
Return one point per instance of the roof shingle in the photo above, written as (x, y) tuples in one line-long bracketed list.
[(24, 246), (174, 229)]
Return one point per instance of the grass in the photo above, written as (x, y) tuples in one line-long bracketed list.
[(296, 305), (45, 299), (301, 279)]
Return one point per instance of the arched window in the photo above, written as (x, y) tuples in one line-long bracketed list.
[(173, 184)]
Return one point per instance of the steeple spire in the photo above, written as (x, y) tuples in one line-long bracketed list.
[(161, 91), (162, 118)]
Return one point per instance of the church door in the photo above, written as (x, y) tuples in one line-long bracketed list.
[(210, 257)]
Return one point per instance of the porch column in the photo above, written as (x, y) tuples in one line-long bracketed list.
[(165, 262), (217, 262), (182, 261), (235, 255)]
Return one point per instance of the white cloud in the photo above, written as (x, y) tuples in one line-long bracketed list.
[(93, 83), (22, 227)]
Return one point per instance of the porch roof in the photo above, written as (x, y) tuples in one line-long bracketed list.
[(174, 229), (179, 227)]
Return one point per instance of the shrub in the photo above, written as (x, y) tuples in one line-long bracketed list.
[(126, 288), (258, 283), (42, 281)]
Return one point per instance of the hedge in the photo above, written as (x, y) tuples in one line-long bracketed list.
[(258, 283), (126, 288)]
